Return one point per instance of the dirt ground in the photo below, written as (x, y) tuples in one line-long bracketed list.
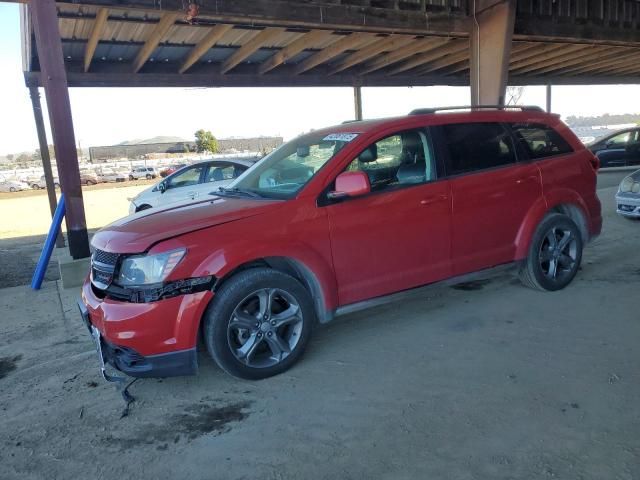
[(27, 213), (486, 380)]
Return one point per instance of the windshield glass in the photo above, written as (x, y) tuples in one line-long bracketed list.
[(284, 172)]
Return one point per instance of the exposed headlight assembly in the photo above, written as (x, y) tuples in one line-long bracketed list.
[(148, 269)]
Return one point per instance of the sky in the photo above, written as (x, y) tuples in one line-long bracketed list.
[(104, 116)]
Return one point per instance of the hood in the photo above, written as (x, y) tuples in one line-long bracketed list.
[(137, 233)]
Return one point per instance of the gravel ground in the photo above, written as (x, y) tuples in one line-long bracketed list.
[(485, 380)]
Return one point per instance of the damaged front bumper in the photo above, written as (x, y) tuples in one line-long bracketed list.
[(132, 363)]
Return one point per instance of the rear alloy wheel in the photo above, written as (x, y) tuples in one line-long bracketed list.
[(258, 323), (554, 255), (130, 178), (12, 189), (149, 176)]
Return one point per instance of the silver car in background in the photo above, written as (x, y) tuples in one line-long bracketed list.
[(628, 196)]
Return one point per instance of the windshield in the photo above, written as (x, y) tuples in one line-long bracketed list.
[(284, 172)]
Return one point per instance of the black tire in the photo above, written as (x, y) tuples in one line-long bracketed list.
[(224, 343), (35, 186), (12, 189), (149, 177), (142, 207), (91, 182), (131, 178), (539, 273)]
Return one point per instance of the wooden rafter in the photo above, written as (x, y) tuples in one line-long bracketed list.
[(444, 62), (623, 57), (417, 46), (389, 43), (586, 52), (204, 45), (96, 32), (336, 48), (529, 53), (582, 58), (306, 40), (453, 46), (250, 47), (162, 27), (543, 54)]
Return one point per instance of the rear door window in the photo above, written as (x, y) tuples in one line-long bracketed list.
[(539, 140), (477, 146)]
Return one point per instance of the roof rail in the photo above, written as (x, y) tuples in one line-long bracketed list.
[(425, 111)]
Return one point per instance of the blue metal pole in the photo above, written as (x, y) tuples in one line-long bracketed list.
[(45, 255)]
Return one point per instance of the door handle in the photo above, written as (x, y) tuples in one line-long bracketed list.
[(434, 199)]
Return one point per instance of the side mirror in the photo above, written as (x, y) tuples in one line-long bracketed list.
[(350, 184), (162, 187)]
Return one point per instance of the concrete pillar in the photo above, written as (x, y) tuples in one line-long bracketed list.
[(548, 98), (491, 33), (54, 81), (357, 101), (44, 154)]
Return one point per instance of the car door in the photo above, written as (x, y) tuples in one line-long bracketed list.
[(397, 236), (614, 153), (491, 194), (182, 186)]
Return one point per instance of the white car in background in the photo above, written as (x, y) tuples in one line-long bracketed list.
[(41, 183), (191, 183), (12, 186), (109, 175), (137, 173)]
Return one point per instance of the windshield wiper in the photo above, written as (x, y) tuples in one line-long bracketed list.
[(237, 191)]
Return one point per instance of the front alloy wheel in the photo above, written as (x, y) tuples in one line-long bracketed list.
[(265, 328), (258, 323)]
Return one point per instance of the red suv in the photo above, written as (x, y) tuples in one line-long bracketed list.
[(331, 220)]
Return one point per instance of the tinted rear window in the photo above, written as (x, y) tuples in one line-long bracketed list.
[(540, 140), (477, 146)]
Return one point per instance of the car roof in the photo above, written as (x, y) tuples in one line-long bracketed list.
[(444, 117)]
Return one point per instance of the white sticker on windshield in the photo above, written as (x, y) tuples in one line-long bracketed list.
[(340, 137)]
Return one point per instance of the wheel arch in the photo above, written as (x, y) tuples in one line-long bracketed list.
[(298, 270), (566, 202)]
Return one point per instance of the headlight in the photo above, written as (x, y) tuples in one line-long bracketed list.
[(635, 188), (626, 184), (148, 269)]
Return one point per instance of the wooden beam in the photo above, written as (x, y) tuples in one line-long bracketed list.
[(162, 27), (545, 59), (336, 48), (623, 57), (204, 45), (327, 15), (418, 46), (98, 27), (518, 51), (445, 62), (532, 56), (453, 46), (577, 60), (568, 59), (390, 43), (301, 43), (250, 47)]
